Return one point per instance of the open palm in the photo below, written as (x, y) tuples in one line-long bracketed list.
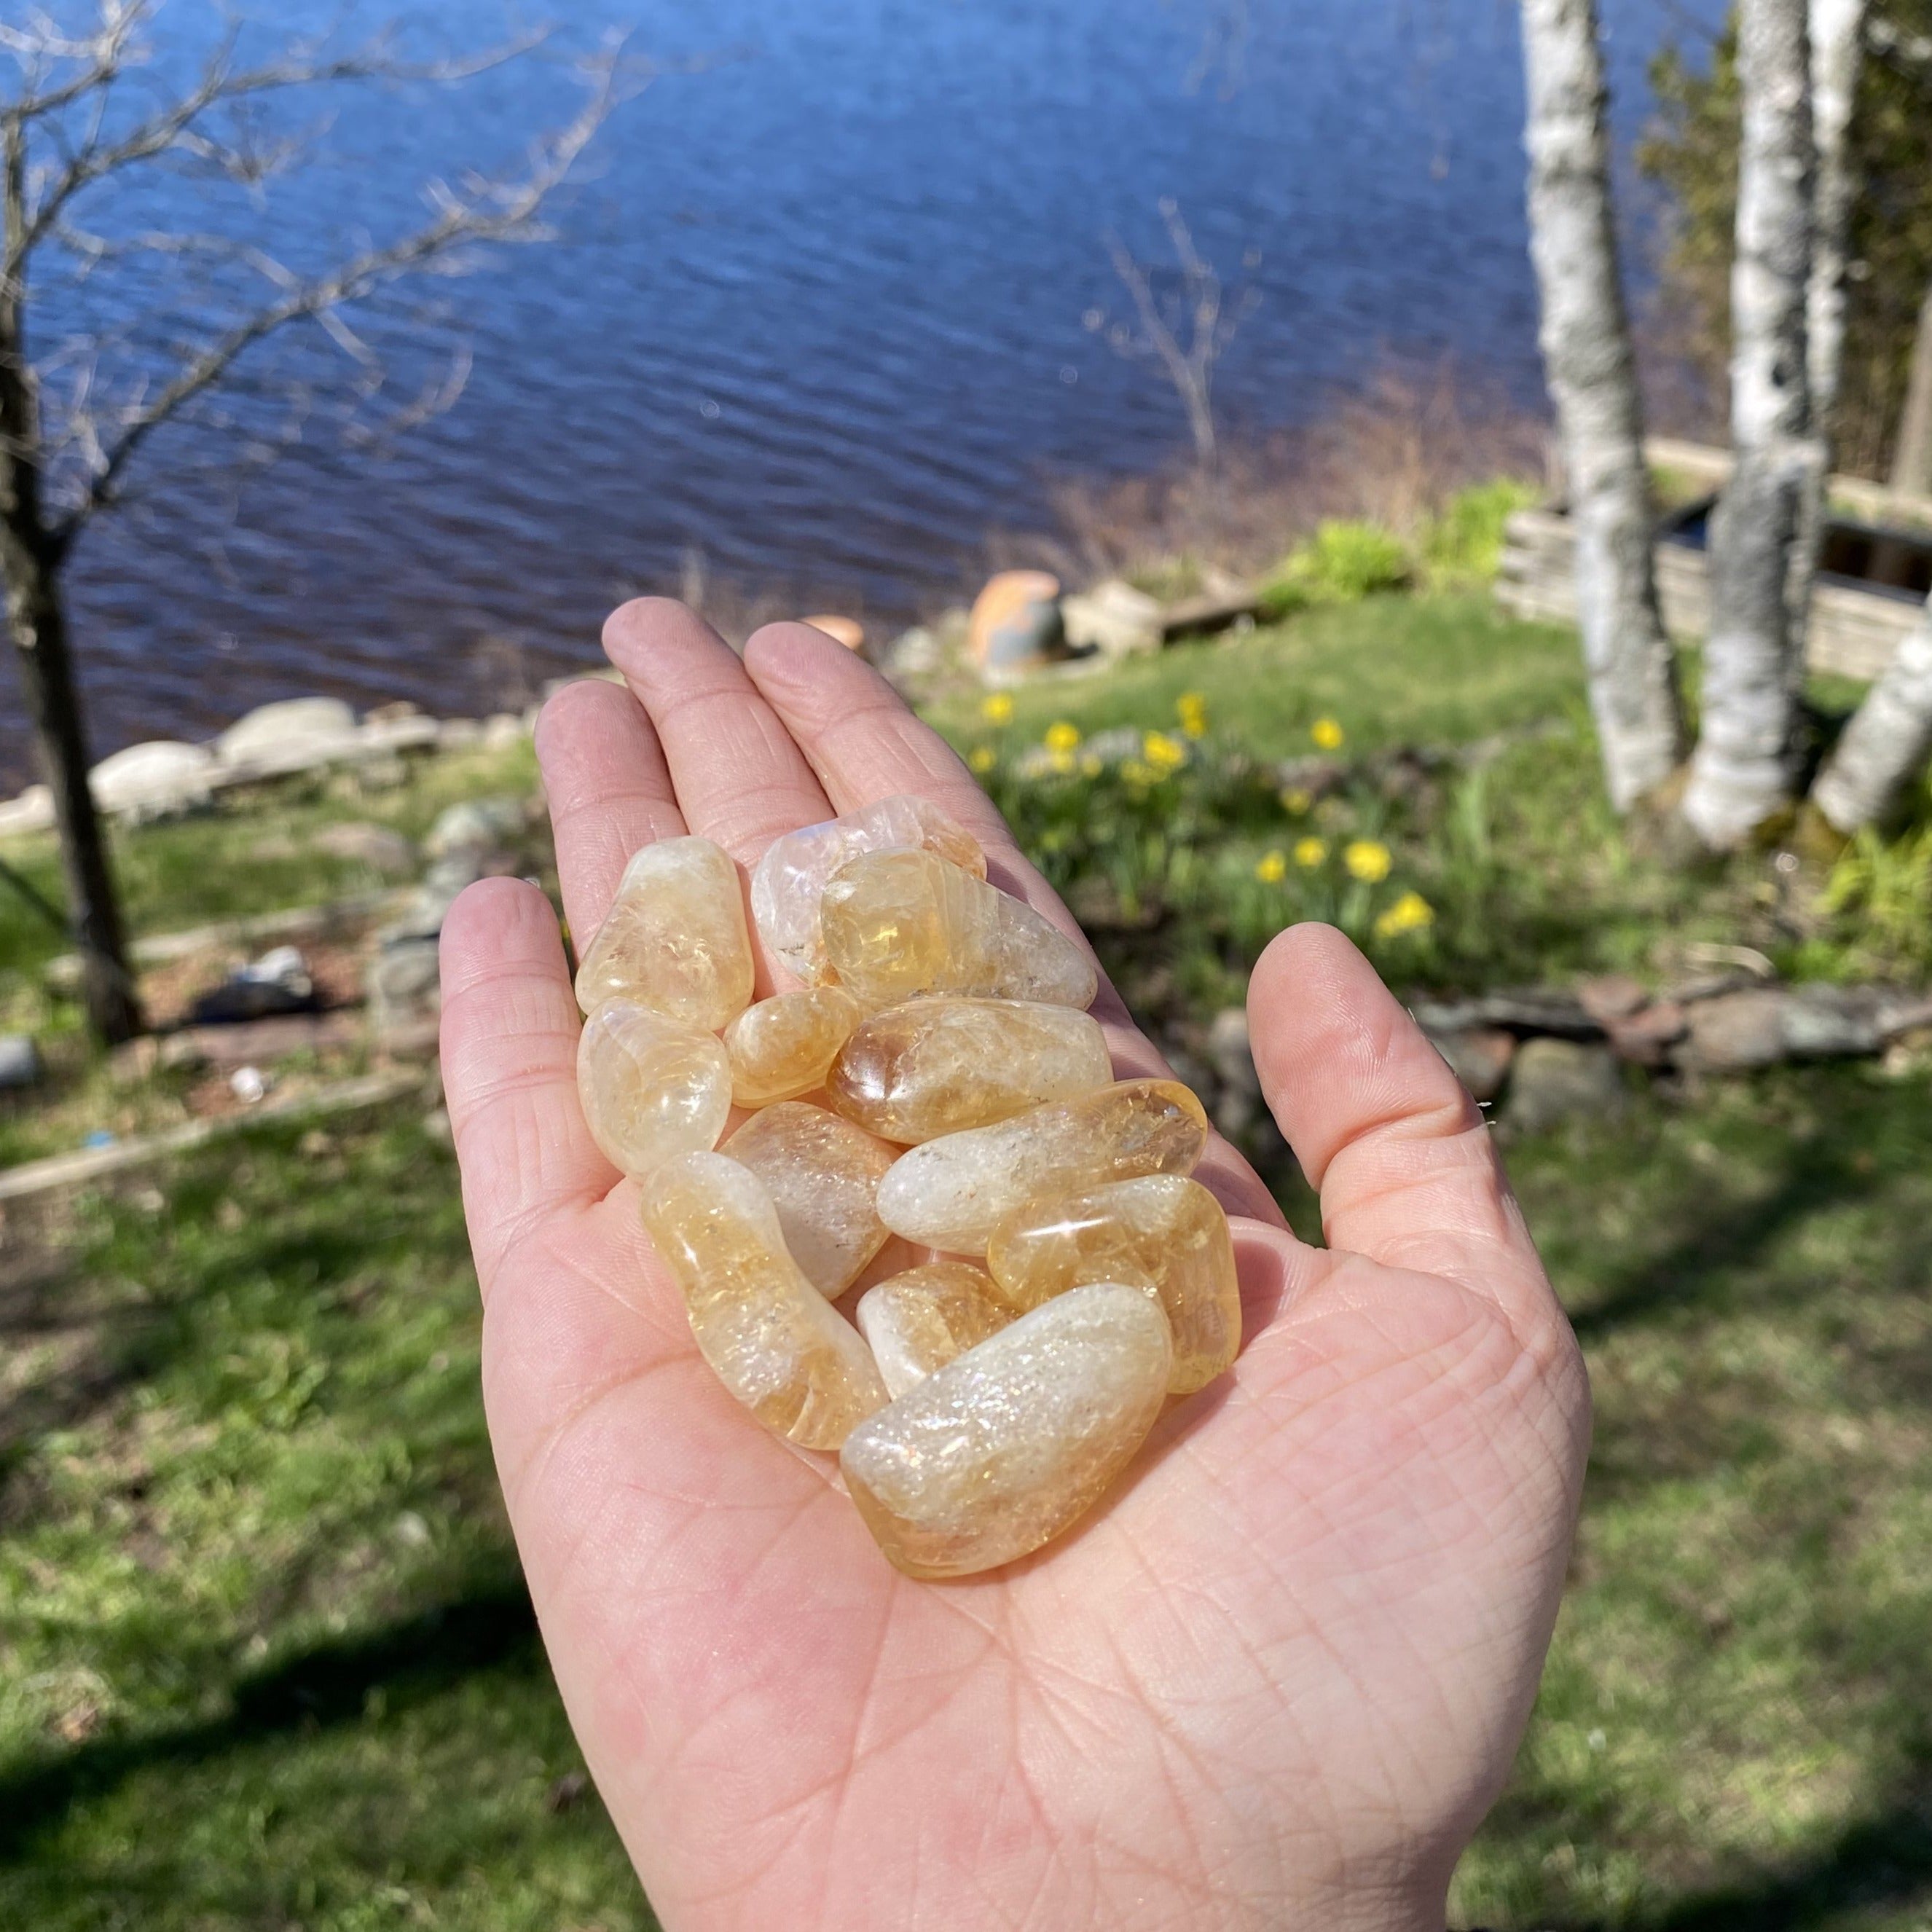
[(1277, 1676)]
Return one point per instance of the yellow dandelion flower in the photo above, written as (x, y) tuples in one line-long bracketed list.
[(1411, 913), (1137, 773), (1272, 867), (1310, 852), (1294, 799), (1327, 733), (1164, 753), (1061, 736), (1191, 708), (982, 758), (997, 707), (1091, 766), (1367, 860), (1061, 760)]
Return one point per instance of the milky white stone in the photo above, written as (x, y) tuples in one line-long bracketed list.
[(776, 1343), (675, 938), (1011, 1442), (918, 1321), (651, 1089), (823, 1174), (940, 1065), (952, 1192), (790, 879)]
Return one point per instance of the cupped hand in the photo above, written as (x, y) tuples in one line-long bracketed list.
[(1277, 1676)]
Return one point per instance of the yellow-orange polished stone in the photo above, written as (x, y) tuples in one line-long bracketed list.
[(790, 880), (917, 1321), (651, 1088), (675, 938), (775, 1343), (899, 924), (823, 1174), (1159, 1231), (1012, 1442), (939, 1066), (785, 1046), (952, 1192)]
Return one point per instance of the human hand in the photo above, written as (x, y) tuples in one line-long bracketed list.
[(1276, 1678)]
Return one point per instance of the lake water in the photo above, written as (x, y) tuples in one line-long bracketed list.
[(817, 312)]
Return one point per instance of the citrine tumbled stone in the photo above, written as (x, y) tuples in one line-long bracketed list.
[(918, 1321), (940, 1065), (899, 924), (774, 1342), (1011, 1442), (785, 1046), (1161, 1230), (823, 1174), (675, 939), (651, 1088), (952, 1192), (790, 880)]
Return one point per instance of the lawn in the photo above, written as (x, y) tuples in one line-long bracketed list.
[(265, 1660)]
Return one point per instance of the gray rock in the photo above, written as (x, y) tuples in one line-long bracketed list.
[(1237, 1103), (459, 734), (381, 847), (424, 916), (1552, 1080), (324, 725), (1479, 1057), (502, 730), (1112, 618), (914, 653), (161, 776), (1733, 1031), (404, 988), (1530, 1010), (476, 824), (33, 811), (19, 1061)]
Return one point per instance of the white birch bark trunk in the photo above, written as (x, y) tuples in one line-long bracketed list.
[(1885, 745), (1912, 459), (1592, 378), (1745, 767)]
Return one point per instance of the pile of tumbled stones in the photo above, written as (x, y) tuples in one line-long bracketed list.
[(935, 1075)]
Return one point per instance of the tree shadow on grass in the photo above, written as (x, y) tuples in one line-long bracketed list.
[(410, 1661)]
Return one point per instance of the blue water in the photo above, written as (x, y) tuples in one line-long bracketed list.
[(816, 311)]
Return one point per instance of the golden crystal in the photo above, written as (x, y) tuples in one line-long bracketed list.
[(940, 1065), (651, 1088), (675, 939), (785, 1046), (823, 1174), (899, 924), (1011, 1442), (1159, 1231), (917, 1321), (952, 1192), (776, 1343)]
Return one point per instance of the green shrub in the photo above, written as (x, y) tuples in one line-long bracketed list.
[(1342, 563), (1464, 545)]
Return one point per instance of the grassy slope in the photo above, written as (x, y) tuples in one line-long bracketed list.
[(263, 1659)]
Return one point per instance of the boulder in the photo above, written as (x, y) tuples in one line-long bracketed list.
[(1610, 996), (1237, 1103), (1527, 1010), (1645, 1038), (1113, 618), (381, 847), (503, 729), (33, 811), (846, 631), (1015, 623), (405, 992), (1479, 1057), (475, 825), (1730, 1031), (1555, 1080), (162, 775), (284, 732)]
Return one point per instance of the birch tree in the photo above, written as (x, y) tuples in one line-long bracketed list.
[(1884, 746), (1585, 337), (94, 114), (1746, 765)]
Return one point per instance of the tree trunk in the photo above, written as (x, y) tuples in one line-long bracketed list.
[(1912, 458), (1884, 746), (1592, 378), (1746, 764), (1836, 34), (38, 627)]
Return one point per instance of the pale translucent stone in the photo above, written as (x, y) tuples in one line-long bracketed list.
[(952, 1192), (1159, 1231), (823, 1174), (940, 1065), (675, 938), (917, 1321), (790, 879), (785, 1046), (778, 1346), (651, 1088), (1011, 1442), (898, 924)]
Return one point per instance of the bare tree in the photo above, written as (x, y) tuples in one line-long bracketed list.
[(1198, 309), (1745, 768), (93, 110), (1592, 378), (1912, 459)]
